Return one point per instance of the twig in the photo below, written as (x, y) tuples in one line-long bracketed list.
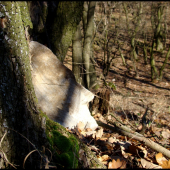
[(3, 137), (144, 122), (4, 155), (27, 157)]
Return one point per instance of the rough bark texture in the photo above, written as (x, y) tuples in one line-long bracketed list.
[(101, 102), (17, 98), (88, 40), (66, 18), (77, 55), (38, 12)]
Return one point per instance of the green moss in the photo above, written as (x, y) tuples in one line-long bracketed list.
[(25, 14), (64, 26), (63, 144), (66, 160)]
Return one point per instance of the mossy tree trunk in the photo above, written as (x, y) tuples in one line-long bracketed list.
[(163, 66), (159, 35), (145, 56), (77, 55), (136, 23), (154, 72), (18, 103), (159, 43), (66, 18), (87, 46)]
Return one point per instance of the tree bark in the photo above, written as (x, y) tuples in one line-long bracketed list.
[(88, 41), (77, 55), (64, 26), (18, 103), (163, 66)]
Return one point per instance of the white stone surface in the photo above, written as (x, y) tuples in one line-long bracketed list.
[(59, 95)]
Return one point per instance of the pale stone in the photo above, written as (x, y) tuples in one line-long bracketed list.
[(59, 95)]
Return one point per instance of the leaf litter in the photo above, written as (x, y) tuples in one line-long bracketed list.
[(129, 104)]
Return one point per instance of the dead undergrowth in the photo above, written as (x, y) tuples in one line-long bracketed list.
[(129, 102)]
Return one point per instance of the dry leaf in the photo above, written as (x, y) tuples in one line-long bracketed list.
[(103, 138), (88, 129), (156, 130), (162, 121), (166, 164), (140, 127), (117, 164), (97, 115), (160, 158), (80, 126), (149, 165), (112, 139), (144, 151), (166, 133), (99, 133), (162, 161), (90, 133), (103, 159), (109, 117)]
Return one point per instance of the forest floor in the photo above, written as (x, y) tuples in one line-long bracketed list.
[(129, 104), (128, 101)]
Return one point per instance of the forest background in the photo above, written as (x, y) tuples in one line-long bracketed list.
[(120, 46)]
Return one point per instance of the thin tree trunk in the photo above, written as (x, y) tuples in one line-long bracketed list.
[(145, 50), (152, 63), (159, 44), (77, 55), (88, 40), (163, 66)]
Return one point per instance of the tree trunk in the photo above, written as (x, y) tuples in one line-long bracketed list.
[(88, 40), (100, 102), (77, 55), (152, 63), (92, 70), (159, 44), (145, 56), (163, 66), (67, 17), (18, 103)]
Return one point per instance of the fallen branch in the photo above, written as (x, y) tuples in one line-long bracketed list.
[(126, 131)]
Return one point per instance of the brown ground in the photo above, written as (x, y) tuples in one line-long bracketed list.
[(131, 100), (139, 92)]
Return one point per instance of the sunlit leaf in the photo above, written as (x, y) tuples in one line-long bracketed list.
[(115, 164), (149, 165)]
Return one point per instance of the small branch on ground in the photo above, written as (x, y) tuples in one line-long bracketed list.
[(126, 131)]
